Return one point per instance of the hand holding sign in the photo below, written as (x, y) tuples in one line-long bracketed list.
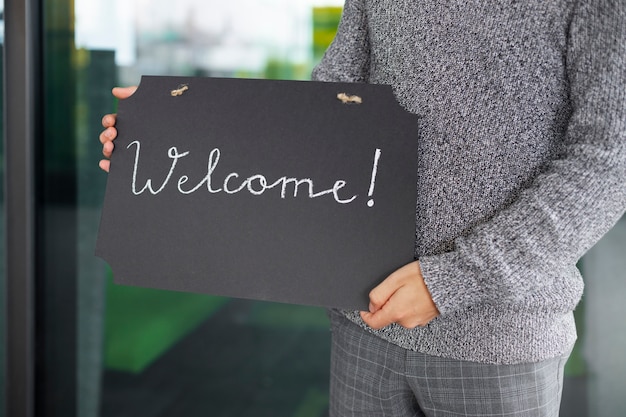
[(260, 189), (401, 298), (109, 133)]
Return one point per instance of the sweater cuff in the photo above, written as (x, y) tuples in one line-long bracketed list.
[(439, 271)]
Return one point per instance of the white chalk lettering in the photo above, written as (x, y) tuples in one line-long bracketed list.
[(171, 153), (256, 184), (214, 158), (228, 177)]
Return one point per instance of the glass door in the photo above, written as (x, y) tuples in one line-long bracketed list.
[(140, 351)]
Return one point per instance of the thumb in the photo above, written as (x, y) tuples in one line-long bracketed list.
[(123, 92)]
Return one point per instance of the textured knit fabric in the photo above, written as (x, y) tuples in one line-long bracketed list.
[(522, 157), (372, 377)]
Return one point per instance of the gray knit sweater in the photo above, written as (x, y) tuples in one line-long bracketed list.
[(522, 157)]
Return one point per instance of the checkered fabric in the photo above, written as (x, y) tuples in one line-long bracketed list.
[(372, 377)]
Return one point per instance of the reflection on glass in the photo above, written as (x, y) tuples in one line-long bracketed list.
[(148, 352)]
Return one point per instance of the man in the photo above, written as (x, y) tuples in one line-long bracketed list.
[(522, 168)]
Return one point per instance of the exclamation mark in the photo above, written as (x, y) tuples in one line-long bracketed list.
[(370, 193)]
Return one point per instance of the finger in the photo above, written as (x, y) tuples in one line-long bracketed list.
[(108, 120), (377, 320), (373, 308), (105, 164), (377, 300), (108, 134), (388, 315), (382, 293), (107, 149), (123, 92)]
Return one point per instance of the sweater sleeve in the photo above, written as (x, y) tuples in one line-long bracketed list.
[(527, 252), (347, 58)]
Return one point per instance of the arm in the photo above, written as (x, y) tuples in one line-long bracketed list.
[(526, 253)]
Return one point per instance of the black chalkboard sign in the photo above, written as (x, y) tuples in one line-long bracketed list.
[(289, 191)]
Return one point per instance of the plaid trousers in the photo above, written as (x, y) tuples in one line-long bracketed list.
[(372, 377)]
